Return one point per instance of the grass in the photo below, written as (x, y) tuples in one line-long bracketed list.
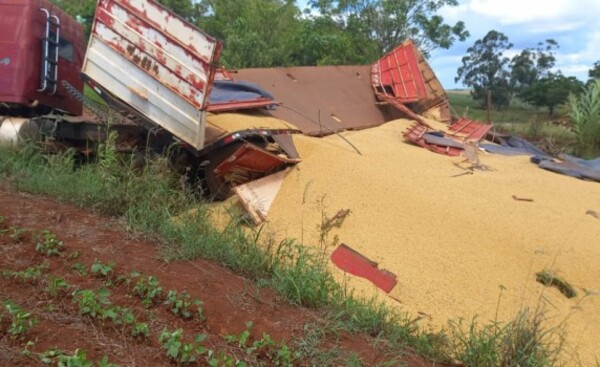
[(523, 120), (152, 202), (518, 112)]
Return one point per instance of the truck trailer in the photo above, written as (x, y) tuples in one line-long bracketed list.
[(155, 73)]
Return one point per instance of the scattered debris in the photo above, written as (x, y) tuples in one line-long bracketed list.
[(354, 263), (515, 197), (470, 129), (593, 213), (403, 76), (571, 166), (549, 279), (336, 220), (257, 196)]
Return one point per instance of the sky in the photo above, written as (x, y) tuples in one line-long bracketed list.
[(574, 24)]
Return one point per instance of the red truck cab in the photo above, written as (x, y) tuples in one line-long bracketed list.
[(40, 45)]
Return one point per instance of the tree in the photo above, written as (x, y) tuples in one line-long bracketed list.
[(531, 65), (255, 33), (82, 10), (321, 42), (187, 9), (484, 69), (551, 91), (386, 23), (594, 72)]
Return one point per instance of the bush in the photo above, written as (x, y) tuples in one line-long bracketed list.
[(584, 110)]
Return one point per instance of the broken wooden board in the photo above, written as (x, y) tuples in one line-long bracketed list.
[(351, 261), (257, 196)]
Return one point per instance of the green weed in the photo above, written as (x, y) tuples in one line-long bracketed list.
[(30, 274), (521, 342)]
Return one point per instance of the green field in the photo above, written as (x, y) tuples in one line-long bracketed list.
[(550, 133)]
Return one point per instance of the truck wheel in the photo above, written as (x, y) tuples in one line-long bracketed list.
[(218, 188)]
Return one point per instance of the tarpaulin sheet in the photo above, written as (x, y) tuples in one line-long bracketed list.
[(226, 91), (572, 166), (512, 145)]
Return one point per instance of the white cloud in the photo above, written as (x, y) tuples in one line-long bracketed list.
[(523, 11), (574, 24)]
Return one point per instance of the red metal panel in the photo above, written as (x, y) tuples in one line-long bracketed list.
[(354, 263), (415, 134), (161, 44), (22, 26), (471, 129), (397, 75), (251, 158)]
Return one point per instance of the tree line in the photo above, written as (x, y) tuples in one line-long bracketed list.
[(272, 33), (529, 75)]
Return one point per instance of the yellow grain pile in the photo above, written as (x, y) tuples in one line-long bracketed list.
[(458, 244)]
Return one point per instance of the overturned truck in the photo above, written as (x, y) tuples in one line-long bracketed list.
[(155, 73), (158, 78)]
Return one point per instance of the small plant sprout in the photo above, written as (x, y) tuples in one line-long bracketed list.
[(181, 305), (79, 268), (179, 351), (48, 356), (56, 286), (21, 320), (31, 274), (90, 302), (140, 330), (3, 229), (47, 243), (17, 234), (104, 362), (100, 270), (148, 289), (78, 359)]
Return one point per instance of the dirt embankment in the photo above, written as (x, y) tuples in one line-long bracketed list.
[(229, 301)]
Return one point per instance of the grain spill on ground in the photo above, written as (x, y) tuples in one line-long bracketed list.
[(457, 244)]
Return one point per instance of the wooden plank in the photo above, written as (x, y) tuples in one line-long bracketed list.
[(258, 196)]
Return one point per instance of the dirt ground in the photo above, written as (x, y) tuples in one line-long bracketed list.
[(229, 301)]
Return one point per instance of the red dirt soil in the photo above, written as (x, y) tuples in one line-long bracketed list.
[(229, 301)]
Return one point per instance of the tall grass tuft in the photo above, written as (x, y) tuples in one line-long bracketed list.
[(523, 341), (584, 110)]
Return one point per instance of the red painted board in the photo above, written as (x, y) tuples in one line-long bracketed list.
[(398, 76), (252, 158), (354, 263), (415, 134), (472, 129)]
